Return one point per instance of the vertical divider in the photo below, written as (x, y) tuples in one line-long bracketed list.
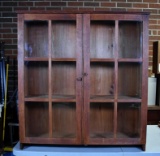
[(116, 79), (86, 58), (79, 101), (50, 78)]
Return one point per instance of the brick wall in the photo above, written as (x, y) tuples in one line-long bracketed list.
[(8, 20)]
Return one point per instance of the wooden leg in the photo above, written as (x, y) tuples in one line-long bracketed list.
[(21, 146), (144, 147)]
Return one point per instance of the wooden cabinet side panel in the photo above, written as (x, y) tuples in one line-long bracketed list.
[(21, 77), (144, 81)]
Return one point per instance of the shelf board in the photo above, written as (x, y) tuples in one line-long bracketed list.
[(91, 60), (102, 59), (63, 98), (113, 60), (64, 59), (55, 98), (102, 135), (129, 99), (39, 98), (36, 59), (110, 98), (127, 135), (65, 135), (130, 60), (45, 135), (101, 98)]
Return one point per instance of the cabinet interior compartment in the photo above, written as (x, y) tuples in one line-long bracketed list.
[(130, 39), (128, 120), (63, 39), (129, 80), (36, 79), (101, 123), (36, 119), (63, 79), (64, 119), (102, 37), (36, 39), (102, 80)]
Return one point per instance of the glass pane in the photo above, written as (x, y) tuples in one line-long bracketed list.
[(101, 80), (102, 39), (63, 79), (129, 80), (36, 39), (36, 119), (64, 120), (101, 120), (130, 39), (64, 39), (36, 79), (128, 120)]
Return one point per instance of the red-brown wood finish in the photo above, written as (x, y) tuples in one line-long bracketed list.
[(82, 77)]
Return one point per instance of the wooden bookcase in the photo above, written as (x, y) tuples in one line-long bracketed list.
[(82, 77)]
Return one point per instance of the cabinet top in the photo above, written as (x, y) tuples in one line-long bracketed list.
[(79, 12)]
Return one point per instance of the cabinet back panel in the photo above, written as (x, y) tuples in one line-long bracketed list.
[(129, 79), (64, 120), (36, 39), (36, 78), (130, 40), (102, 39), (101, 120), (102, 78), (63, 78), (36, 119), (63, 39)]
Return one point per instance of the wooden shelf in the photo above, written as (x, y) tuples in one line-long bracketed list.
[(64, 59), (45, 135), (64, 135), (35, 59), (63, 98), (102, 135), (102, 59), (129, 135), (101, 98), (113, 60), (110, 98), (39, 98), (130, 60), (129, 99)]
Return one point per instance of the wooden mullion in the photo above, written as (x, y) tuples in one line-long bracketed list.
[(116, 78), (86, 57), (79, 101), (50, 78)]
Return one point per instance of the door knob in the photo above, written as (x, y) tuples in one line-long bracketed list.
[(79, 79)]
